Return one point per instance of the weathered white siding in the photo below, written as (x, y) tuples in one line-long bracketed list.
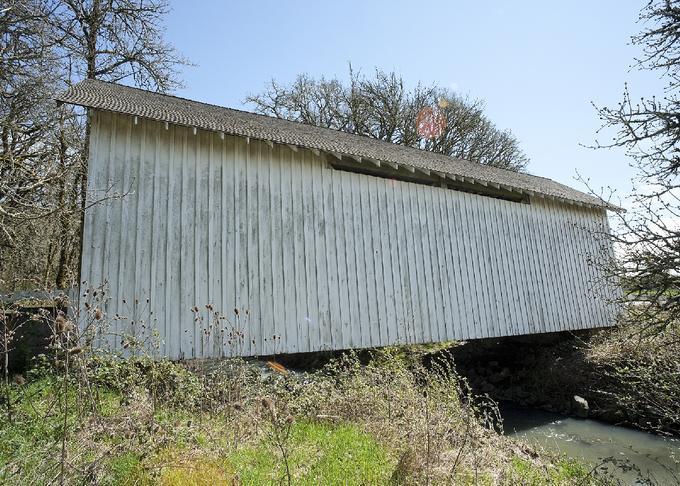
[(295, 256)]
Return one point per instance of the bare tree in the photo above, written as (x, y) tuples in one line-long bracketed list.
[(430, 118), (111, 40), (648, 236), (29, 121), (117, 40), (46, 46)]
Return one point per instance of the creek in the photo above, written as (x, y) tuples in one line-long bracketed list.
[(630, 456)]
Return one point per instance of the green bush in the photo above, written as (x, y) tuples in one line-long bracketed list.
[(166, 381)]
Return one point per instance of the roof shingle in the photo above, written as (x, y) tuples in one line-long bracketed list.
[(136, 102)]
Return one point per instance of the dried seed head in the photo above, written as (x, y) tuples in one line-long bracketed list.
[(268, 404), (62, 325)]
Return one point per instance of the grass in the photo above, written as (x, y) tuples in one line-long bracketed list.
[(197, 472), (323, 454), (562, 471), (125, 469)]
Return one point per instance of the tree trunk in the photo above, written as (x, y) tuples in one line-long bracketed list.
[(61, 280)]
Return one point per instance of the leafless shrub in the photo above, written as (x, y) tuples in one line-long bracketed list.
[(278, 431), (647, 236), (427, 414)]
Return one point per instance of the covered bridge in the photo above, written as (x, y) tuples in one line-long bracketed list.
[(238, 233)]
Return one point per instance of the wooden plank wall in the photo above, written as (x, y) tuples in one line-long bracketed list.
[(234, 247)]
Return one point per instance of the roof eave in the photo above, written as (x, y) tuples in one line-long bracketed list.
[(68, 98)]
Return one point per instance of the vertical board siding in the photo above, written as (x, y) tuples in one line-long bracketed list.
[(230, 246)]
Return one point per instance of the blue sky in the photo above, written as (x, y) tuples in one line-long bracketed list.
[(537, 65)]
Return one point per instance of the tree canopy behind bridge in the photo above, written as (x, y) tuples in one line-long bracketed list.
[(380, 106)]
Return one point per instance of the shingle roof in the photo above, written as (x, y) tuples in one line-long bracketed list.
[(136, 102)]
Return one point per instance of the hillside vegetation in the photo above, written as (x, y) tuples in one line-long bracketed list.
[(81, 417)]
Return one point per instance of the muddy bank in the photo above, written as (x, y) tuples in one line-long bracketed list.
[(553, 373)]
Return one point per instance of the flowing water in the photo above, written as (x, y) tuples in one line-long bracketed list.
[(630, 456)]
